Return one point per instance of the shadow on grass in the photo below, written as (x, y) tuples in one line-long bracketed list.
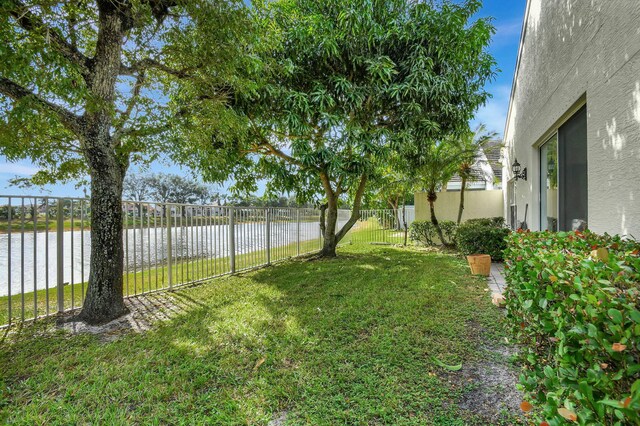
[(346, 340)]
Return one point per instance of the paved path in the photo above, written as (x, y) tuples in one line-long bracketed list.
[(497, 284)]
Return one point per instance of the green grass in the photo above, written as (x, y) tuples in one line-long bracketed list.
[(42, 225), (151, 279), (156, 278), (345, 341)]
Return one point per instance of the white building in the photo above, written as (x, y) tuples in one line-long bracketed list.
[(574, 118)]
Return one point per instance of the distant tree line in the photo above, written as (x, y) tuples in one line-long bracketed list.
[(172, 188)]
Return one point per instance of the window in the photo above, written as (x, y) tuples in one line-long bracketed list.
[(513, 207), (563, 176)]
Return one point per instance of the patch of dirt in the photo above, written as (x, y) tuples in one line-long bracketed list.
[(488, 387), (144, 312), (493, 391), (279, 419)]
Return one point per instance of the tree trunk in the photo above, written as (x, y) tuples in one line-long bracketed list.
[(396, 212), (329, 216), (404, 219), (432, 197), (107, 166), (104, 300), (330, 220), (461, 207)]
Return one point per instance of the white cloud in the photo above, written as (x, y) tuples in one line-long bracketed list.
[(17, 169)]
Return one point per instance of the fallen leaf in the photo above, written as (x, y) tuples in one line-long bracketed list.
[(626, 402), (443, 365), (618, 347), (602, 254), (259, 363), (567, 414), (526, 406)]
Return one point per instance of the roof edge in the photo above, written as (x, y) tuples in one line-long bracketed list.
[(523, 32)]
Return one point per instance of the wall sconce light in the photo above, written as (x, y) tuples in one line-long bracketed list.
[(515, 168)]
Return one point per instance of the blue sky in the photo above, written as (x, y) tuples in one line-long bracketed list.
[(507, 16)]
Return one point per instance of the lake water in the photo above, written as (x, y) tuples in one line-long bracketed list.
[(32, 263)]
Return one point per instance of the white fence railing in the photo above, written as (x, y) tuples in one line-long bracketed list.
[(45, 246)]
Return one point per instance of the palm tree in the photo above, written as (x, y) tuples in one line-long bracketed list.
[(435, 165), (474, 145)]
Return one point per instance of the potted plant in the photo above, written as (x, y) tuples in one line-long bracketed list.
[(482, 240), (480, 264)]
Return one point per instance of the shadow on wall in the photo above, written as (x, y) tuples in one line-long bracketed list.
[(572, 47), (619, 139)]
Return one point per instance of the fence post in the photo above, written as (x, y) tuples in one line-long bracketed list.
[(268, 234), (169, 245), (232, 239), (298, 228), (60, 254)]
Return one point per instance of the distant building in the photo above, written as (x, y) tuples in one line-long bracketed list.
[(487, 171)]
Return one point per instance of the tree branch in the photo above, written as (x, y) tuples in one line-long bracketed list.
[(32, 23), (272, 150), (17, 93), (355, 213), (148, 63), (135, 95), (147, 131), (326, 184)]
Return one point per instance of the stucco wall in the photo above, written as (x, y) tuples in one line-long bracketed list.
[(577, 51), (476, 204)]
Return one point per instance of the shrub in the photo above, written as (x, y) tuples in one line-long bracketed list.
[(423, 231), (572, 302), (497, 221), (483, 236)]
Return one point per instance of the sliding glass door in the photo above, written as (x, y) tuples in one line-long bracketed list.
[(563, 177), (572, 157)]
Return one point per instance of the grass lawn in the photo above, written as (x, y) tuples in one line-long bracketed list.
[(150, 279), (344, 341)]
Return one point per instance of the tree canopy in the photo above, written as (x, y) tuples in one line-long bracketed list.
[(339, 86), (83, 89)]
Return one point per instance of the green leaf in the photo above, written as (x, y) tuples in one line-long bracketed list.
[(615, 315), (446, 366), (610, 402)]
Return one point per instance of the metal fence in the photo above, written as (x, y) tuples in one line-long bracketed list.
[(45, 246), (380, 226)]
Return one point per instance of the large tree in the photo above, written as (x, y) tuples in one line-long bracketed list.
[(81, 93), (338, 89)]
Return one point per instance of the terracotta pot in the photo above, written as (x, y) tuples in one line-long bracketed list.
[(480, 264)]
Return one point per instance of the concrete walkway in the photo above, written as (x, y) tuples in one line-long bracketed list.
[(497, 283)]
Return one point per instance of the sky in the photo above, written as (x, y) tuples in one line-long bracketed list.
[(507, 18)]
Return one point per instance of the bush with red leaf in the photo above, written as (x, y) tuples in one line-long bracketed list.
[(572, 303)]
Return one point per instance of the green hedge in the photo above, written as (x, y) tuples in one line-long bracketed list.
[(572, 302), (483, 236), (423, 231)]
